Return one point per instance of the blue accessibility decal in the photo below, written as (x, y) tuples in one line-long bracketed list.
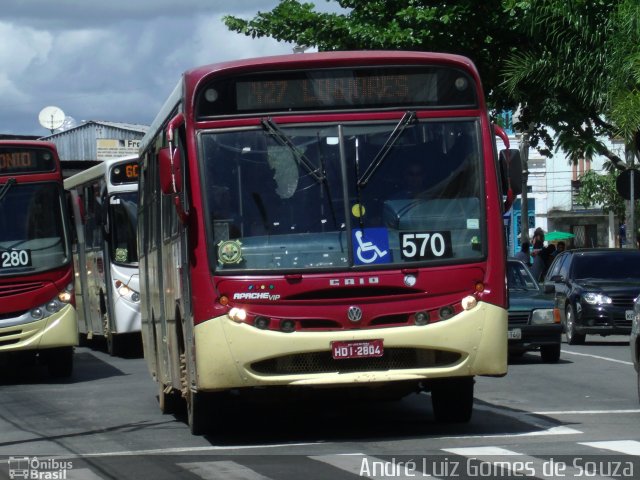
[(370, 246)]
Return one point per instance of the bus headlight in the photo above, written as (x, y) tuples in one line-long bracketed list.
[(469, 302), (52, 306), (238, 315), (126, 292), (66, 295)]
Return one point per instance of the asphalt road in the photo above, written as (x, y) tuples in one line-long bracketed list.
[(577, 418)]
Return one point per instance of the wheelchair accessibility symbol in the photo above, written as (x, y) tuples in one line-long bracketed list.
[(371, 245)]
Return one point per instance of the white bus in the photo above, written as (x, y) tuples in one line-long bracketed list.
[(104, 200)]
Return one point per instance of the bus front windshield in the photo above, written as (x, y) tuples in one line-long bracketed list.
[(32, 229), (123, 210), (306, 197)]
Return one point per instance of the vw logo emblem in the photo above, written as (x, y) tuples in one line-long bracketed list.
[(354, 314)]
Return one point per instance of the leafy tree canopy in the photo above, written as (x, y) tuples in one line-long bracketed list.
[(600, 189)]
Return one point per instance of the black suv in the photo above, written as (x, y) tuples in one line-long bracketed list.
[(595, 290)]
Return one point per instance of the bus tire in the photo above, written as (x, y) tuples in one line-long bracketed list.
[(113, 343), (452, 399), (60, 362), (199, 407)]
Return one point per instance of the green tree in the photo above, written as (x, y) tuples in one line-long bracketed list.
[(600, 189), (623, 106), (579, 75)]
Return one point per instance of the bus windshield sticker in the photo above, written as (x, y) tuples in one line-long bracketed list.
[(371, 246), (425, 245), (15, 258), (229, 252)]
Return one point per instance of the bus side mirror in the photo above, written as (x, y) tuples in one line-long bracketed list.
[(170, 170), (170, 162), (511, 170)]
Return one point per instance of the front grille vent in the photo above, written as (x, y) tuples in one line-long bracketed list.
[(19, 288), (322, 362)]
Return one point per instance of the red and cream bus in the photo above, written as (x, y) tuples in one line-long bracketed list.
[(324, 220), (37, 313)]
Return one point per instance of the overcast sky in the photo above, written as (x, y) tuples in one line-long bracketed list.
[(113, 60)]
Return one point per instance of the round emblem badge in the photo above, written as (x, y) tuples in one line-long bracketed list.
[(229, 251)]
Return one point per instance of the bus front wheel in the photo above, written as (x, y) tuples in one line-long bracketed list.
[(452, 399)]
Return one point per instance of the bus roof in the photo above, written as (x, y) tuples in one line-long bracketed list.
[(28, 143), (334, 59), (96, 171), (193, 77)]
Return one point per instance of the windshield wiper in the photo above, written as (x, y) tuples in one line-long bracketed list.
[(406, 119), (5, 188), (272, 128)]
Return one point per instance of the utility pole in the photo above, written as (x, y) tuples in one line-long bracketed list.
[(631, 225), (524, 201), (524, 159)]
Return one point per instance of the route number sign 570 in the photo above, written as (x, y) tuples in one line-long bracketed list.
[(425, 245), (15, 258)]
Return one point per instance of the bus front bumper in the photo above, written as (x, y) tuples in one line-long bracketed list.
[(57, 330), (234, 355)]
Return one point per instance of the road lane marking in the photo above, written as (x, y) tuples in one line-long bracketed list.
[(584, 412), (539, 433), (175, 450), (614, 360), (629, 447)]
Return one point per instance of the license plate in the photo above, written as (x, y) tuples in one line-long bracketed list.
[(357, 349), (629, 315), (515, 334)]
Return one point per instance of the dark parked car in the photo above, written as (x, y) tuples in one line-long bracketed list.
[(635, 341), (595, 290), (534, 323)]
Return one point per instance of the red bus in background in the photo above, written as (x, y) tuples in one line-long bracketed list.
[(37, 314), (324, 220)]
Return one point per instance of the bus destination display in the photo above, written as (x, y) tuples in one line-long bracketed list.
[(125, 173), (320, 92), (339, 89), (22, 160)]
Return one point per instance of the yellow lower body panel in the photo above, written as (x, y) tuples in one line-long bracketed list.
[(58, 330), (235, 355)]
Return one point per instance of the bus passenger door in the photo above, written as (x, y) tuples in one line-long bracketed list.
[(76, 208)]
